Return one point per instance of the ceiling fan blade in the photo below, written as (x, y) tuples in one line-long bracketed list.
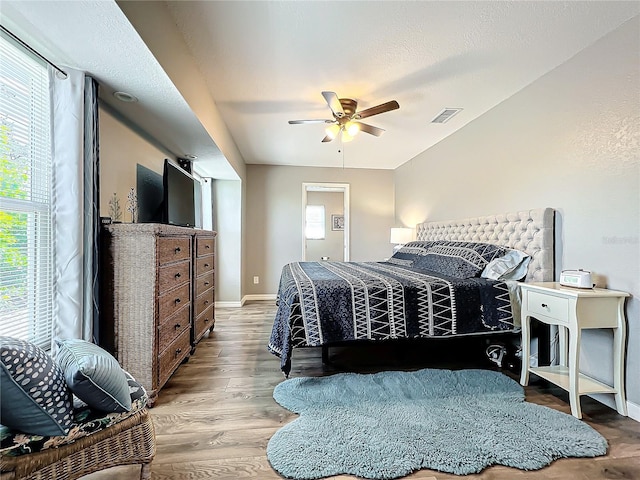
[(297, 122), (370, 129), (334, 103), (328, 138), (385, 107)]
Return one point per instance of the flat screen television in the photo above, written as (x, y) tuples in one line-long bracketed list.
[(181, 199)]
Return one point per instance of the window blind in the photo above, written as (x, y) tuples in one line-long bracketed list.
[(314, 222), (26, 263)]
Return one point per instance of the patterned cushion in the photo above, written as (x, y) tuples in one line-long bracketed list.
[(410, 253), (93, 375), (459, 259), (34, 397), (86, 421)]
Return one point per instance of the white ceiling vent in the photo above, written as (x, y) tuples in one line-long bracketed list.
[(445, 115)]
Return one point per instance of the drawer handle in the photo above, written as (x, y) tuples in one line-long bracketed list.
[(206, 283), (177, 326), (206, 246), (206, 302), (178, 351), (177, 300), (206, 320), (206, 265), (544, 305), (177, 250), (178, 275)]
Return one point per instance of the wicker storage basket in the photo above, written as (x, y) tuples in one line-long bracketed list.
[(128, 442)]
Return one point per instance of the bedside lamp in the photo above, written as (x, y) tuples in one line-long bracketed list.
[(400, 236)]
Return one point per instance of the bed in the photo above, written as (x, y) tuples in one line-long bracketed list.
[(457, 278)]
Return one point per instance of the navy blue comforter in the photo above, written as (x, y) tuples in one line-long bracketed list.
[(321, 303)]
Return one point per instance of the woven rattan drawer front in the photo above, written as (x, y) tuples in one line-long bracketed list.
[(203, 283), (170, 302), (203, 302), (172, 249), (173, 327), (174, 354), (204, 246), (204, 265), (170, 276), (204, 321)]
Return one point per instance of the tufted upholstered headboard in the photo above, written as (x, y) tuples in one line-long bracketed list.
[(530, 231)]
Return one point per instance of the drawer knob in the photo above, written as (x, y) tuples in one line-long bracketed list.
[(206, 265), (206, 283), (206, 246), (206, 320), (178, 275), (177, 300), (177, 326), (178, 351), (544, 305), (177, 249)]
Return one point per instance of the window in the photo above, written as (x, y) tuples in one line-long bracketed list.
[(26, 271), (314, 222)]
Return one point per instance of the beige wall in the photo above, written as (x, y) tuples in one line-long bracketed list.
[(569, 141), (121, 149), (332, 245), (274, 217)]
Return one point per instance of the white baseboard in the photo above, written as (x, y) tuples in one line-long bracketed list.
[(262, 296), (228, 304), (245, 299), (633, 409)]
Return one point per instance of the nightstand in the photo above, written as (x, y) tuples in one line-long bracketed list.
[(572, 310)]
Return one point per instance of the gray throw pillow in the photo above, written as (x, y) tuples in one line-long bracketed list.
[(93, 375), (34, 397)]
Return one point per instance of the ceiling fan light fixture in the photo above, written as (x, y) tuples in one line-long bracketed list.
[(352, 128), (332, 131), (346, 137)]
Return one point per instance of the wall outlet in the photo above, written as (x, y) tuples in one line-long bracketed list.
[(256, 280)]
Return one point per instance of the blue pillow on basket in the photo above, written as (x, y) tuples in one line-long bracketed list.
[(93, 375), (34, 397), (459, 259)]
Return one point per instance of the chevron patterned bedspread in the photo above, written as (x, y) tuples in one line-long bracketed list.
[(322, 303)]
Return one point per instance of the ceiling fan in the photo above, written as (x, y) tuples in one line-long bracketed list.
[(346, 118)]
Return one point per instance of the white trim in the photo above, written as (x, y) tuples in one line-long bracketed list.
[(259, 296), (633, 409), (228, 304), (328, 187)]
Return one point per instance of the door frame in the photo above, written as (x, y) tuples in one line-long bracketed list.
[(327, 187)]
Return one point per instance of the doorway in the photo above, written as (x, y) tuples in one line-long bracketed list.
[(325, 222)]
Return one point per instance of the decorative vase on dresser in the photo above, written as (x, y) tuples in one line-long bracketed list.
[(155, 297)]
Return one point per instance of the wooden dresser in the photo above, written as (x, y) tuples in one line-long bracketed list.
[(203, 262), (157, 297)]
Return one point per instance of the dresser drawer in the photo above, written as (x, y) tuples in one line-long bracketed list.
[(204, 265), (203, 283), (203, 302), (170, 276), (173, 249), (171, 302), (548, 305), (204, 322), (172, 327), (174, 354), (204, 246)]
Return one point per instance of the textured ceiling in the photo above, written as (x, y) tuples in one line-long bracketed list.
[(267, 62)]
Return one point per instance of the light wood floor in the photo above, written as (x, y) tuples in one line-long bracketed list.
[(215, 416)]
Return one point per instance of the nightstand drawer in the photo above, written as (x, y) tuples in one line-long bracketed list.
[(548, 305)]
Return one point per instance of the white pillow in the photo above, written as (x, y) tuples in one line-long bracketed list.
[(511, 266)]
